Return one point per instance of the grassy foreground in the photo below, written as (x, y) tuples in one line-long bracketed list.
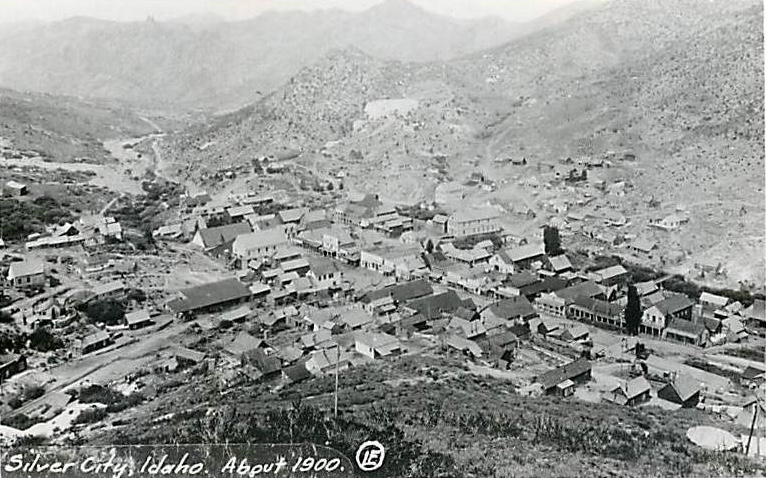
[(438, 421)]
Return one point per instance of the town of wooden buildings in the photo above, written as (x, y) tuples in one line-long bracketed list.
[(291, 270)]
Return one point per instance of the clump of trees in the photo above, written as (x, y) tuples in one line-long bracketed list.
[(22, 218), (115, 401), (552, 241), (42, 340), (107, 311)]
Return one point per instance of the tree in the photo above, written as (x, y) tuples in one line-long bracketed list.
[(633, 311), (429, 246), (552, 241), (43, 340), (109, 312)]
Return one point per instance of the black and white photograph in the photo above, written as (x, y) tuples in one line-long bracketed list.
[(382, 238)]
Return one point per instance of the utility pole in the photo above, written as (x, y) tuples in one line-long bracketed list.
[(752, 426), (337, 369)]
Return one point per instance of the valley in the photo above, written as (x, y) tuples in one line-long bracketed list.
[(499, 248)]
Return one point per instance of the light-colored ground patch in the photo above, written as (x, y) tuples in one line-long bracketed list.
[(381, 108)]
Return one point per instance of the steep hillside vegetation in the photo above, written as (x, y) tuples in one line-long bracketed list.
[(436, 421)]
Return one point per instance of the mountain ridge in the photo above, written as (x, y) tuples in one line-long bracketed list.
[(173, 64)]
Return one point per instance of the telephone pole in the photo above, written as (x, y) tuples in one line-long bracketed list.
[(337, 369)]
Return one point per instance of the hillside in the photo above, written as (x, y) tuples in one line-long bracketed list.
[(680, 84), (63, 128), (221, 65), (436, 421)]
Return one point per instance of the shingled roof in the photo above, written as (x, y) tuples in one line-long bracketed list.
[(209, 294), (674, 304), (215, 236), (512, 308), (401, 292), (433, 306), (586, 288), (569, 371)]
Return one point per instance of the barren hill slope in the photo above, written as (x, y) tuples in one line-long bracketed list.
[(595, 82), (224, 65), (678, 83), (64, 128)]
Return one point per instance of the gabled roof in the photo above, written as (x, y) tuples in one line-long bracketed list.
[(267, 364), (383, 344), (355, 317), (109, 287), (237, 314), (329, 358), (433, 306), (685, 327), (25, 268), (137, 317), (322, 266), (643, 245), (611, 272), (713, 299), (209, 294), (260, 239), (634, 388), (529, 251), (318, 316), (752, 373), (244, 343), (587, 288), (294, 264), (520, 279), (259, 288), (296, 373), (757, 310), (288, 253), (15, 184), (597, 306), (644, 288), (315, 338), (503, 339), (674, 304), (560, 263), (470, 329), (400, 292), (512, 308), (236, 211), (685, 387), (189, 354), (549, 284), (463, 344), (216, 236), (95, 338), (289, 354), (292, 215), (577, 331), (569, 371), (474, 214)]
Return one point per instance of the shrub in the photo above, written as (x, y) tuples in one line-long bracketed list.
[(99, 394), (32, 392), (91, 416), (19, 421), (5, 317), (15, 402)]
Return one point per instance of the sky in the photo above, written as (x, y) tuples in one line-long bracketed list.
[(132, 10)]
